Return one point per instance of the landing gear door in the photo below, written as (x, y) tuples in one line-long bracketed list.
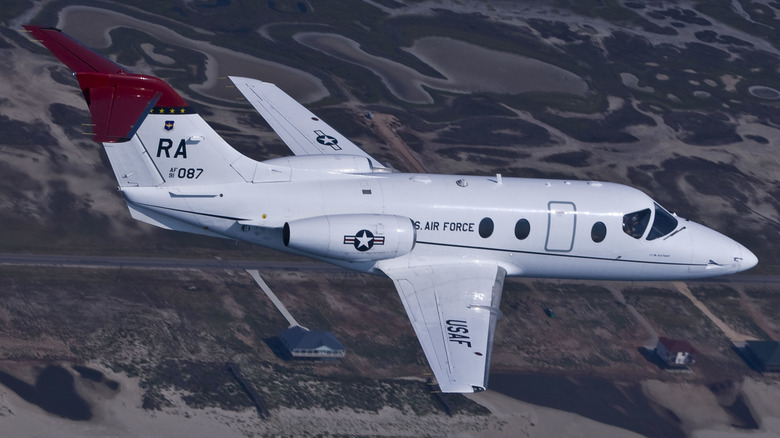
[(561, 223)]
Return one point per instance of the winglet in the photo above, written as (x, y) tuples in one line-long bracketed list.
[(118, 101)]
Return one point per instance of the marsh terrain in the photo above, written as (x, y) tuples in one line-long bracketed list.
[(678, 99)]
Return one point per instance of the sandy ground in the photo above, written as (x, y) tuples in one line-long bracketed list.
[(119, 414)]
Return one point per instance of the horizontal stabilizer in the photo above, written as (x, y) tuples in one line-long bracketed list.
[(72, 53), (118, 101)]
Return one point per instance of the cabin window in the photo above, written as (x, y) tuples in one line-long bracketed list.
[(486, 227), (599, 232), (522, 229), (635, 224), (663, 224)]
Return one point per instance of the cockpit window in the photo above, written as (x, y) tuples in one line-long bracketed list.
[(663, 224), (635, 224)]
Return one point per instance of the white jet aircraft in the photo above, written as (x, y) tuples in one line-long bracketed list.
[(446, 241)]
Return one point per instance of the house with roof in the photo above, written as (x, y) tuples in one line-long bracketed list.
[(297, 341), (302, 343), (764, 355), (675, 353)]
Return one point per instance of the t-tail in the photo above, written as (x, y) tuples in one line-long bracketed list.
[(152, 136)]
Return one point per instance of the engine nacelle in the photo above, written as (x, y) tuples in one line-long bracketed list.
[(352, 237)]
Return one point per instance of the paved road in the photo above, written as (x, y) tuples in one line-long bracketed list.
[(159, 262), (214, 263)]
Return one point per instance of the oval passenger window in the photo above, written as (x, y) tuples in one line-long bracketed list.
[(522, 229), (486, 227), (598, 232)]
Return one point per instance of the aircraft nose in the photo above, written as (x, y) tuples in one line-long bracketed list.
[(715, 254), (748, 259)]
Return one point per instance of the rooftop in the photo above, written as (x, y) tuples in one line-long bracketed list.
[(301, 342)]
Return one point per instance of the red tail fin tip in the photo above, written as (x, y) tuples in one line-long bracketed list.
[(118, 101)]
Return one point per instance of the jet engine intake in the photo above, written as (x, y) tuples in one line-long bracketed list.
[(352, 237)]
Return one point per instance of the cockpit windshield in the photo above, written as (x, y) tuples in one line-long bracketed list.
[(663, 224), (635, 224)]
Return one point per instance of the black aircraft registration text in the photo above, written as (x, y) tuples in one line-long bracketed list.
[(464, 227)]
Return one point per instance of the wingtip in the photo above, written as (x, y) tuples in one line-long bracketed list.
[(237, 80), (453, 387)]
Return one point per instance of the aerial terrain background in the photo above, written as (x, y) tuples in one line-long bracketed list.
[(678, 99)]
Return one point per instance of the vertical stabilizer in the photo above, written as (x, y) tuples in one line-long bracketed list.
[(152, 136)]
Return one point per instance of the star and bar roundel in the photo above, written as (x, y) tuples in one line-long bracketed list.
[(364, 240)]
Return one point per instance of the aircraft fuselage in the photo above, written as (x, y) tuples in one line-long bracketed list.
[(530, 227)]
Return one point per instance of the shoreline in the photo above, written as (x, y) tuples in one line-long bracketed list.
[(119, 412)]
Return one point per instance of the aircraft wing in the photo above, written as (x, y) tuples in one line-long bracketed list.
[(302, 131), (454, 309)]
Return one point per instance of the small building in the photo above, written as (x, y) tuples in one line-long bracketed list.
[(298, 342), (302, 343), (675, 353), (765, 355)]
